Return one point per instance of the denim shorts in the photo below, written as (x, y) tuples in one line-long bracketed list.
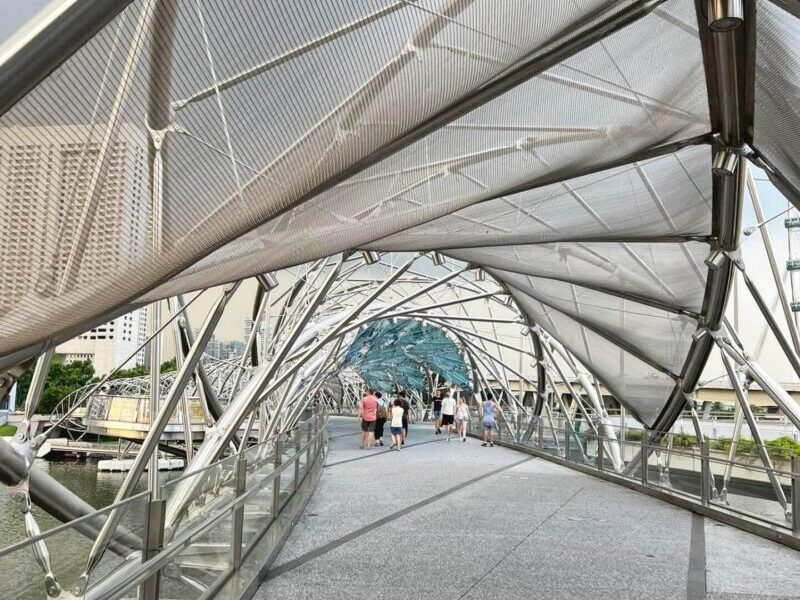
[(396, 430), (437, 413)]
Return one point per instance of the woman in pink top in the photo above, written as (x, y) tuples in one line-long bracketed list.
[(368, 411)]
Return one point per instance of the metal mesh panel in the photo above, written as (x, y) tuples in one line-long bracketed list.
[(660, 272), (661, 336), (777, 95), (640, 387), (666, 196), (505, 144), (291, 115)]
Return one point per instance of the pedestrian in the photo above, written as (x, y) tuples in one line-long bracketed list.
[(368, 411), (437, 412), (406, 414), (488, 408), (380, 421), (462, 418), (448, 414), (396, 424)]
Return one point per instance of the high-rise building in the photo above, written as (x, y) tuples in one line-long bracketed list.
[(109, 345), (50, 171)]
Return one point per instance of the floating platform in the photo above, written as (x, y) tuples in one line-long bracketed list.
[(116, 465)]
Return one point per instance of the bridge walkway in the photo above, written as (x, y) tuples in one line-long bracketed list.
[(455, 520)]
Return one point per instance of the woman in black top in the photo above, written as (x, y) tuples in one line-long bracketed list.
[(406, 414), (437, 412)]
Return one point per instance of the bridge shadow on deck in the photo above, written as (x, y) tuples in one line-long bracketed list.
[(456, 520)]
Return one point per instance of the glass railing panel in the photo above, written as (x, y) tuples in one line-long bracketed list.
[(745, 485), (196, 497), (203, 565)]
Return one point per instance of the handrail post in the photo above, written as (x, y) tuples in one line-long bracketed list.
[(567, 431), (540, 433), (308, 444), (705, 473), (153, 544), (599, 457), (238, 514), (796, 495), (645, 455), (276, 483), (296, 457)]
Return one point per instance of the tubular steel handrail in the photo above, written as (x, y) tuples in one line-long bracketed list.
[(708, 502), (153, 566), (308, 452)]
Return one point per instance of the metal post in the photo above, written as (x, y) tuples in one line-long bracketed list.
[(772, 323), (566, 442), (645, 454), (540, 434), (765, 237), (37, 385), (752, 424), (599, 457), (153, 543), (150, 444), (705, 473), (237, 522), (276, 483), (296, 434), (154, 322), (308, 443), (779, 396), (796, 495)]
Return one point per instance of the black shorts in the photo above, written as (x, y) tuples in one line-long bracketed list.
[(367, 425), (405, 425), (447, 419)]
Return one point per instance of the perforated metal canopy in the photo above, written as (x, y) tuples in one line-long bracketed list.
[(565, 146)]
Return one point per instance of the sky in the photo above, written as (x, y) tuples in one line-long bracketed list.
[(15, 13)]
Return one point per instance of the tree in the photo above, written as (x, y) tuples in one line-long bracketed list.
[(142, 370), (62, 380), (137, 371)]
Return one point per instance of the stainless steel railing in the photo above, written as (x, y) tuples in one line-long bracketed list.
[(242, 508), (699, 473)]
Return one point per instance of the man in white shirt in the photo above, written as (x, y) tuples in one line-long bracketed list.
[(448, 413)]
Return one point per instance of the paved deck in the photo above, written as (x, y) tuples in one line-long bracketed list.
[(454, 520)]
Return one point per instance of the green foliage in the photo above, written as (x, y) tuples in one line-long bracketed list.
[(7, 430), (633, 435), (61, 381), (783, 448), (142, 370), (137, 371), (683, 440)]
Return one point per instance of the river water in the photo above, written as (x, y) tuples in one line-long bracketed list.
[(68, 550)]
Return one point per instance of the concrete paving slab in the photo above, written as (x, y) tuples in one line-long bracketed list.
[(455, 520)]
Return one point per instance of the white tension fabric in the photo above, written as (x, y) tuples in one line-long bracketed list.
[(564, 146)]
